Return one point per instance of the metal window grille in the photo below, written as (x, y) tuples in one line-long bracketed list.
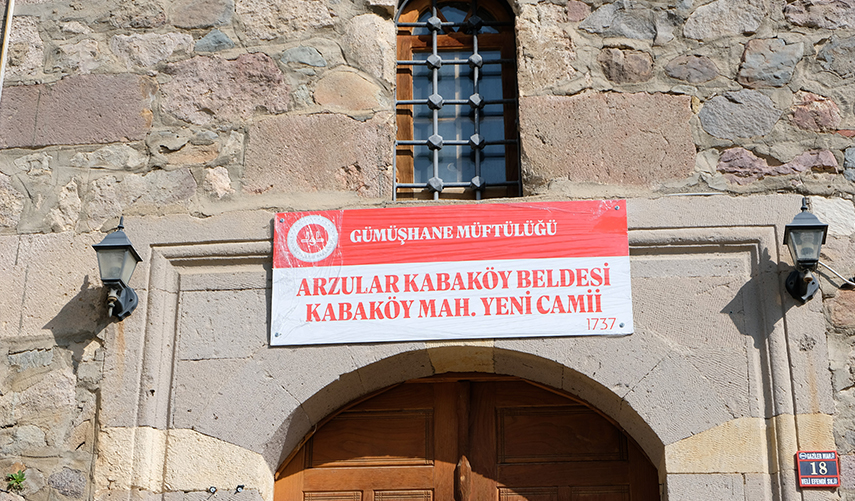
[(435, 142)]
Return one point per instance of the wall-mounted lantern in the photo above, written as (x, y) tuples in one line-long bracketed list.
[(804, 237), (117, 260)]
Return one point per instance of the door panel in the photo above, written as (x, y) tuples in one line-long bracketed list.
[(556, 433), (541, 494), (415, 495), (375, 438), (468, 440)]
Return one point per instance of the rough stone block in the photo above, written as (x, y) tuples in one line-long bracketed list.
[(158, 190), (195, 461), (677, 401), (369, 42), (294, 154), (842, 308), (147, 49), (196, 385), (138, 14), (721, 487), (461, 356), (319, 394), (549, 53), (218, 182), (69, 482), (304, 55), (847, 471), (838, 213), (26, 49), (63, 296), (82, 57), (208, 321), (200, 13), (621, 19), (737, 445), (31, 359), (272, 19), (826, 14), (577, 11), (348, 91), (113, 157), (819, 160), (626, 66), (839, 56), (50, 396), (742, 114), (742, 167), (387, 6), (628, 139), (77, 110), (214, 41), (65, 215), (208, 88), (382, 365), (11, 203), (18, 110), (233, 413), (722, 18), (769, 63), (10, 496), (814, 112), (692, 69)]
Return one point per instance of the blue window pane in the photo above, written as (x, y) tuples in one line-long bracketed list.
[(457, 122), (456, 12)]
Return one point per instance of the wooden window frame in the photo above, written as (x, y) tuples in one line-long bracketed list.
[(408, 45)]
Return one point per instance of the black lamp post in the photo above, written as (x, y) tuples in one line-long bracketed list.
[(804, 237), (117, 260)]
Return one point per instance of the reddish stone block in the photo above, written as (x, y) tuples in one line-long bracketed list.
[(577, 11), (814, 112), (95, 109), (18, 115), (846, 132), (842, 308), (205, 89), (78, 110), (324, 152), (610, 138), (742, 167)]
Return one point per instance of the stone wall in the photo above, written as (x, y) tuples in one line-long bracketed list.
[(202, 107)]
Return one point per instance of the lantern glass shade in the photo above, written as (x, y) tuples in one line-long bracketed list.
[(805, 245), (116, 264)]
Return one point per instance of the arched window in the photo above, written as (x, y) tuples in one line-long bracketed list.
[(456, 101)]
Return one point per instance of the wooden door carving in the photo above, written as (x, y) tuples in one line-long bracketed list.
[(473, 438)]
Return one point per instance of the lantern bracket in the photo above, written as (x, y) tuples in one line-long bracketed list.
[(122, 300)]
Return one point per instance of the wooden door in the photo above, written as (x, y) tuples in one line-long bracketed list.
[(468, 439)]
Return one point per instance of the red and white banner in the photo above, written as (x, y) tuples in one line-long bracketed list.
[(451, 272)]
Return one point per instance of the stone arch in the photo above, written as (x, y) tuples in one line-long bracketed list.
[(436, 358)]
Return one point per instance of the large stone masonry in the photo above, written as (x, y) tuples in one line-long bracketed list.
[(198, 108)]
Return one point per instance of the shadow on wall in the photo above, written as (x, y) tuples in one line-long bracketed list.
[(750, 310), (83, 317)]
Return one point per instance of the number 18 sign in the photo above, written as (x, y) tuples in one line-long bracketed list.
[(818, 469)]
